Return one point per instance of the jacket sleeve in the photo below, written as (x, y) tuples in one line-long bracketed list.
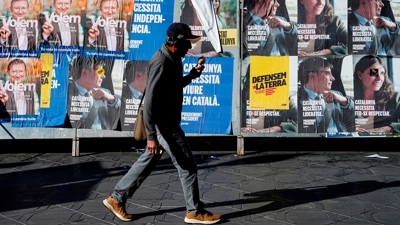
[(339, 46), (154, 73)]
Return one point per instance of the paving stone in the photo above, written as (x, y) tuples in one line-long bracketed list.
[(274, 188)]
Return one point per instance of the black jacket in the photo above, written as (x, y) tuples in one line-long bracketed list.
[(164, 92)]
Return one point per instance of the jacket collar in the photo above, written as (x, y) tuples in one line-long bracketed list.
[(170, 55)]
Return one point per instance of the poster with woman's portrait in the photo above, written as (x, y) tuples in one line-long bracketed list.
[(376, 94), (322, 28)]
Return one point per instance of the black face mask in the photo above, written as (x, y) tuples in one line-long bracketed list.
[(182, 47)]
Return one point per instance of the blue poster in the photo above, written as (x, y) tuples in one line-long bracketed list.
[(207, 101), (53, 115), (149, 26)]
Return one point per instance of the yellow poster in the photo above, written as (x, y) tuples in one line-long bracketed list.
[(45, 81), (269, 82), (228, 37)]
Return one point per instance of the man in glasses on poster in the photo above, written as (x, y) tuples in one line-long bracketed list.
[(321, 109), (265, 33), (371, 33)]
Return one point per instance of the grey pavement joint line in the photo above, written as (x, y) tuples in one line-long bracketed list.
[(76, 211), (12, 219), (143, 206), (69, 183), (58, 205)]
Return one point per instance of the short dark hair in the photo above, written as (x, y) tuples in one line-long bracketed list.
[(354, 4), (131, 67), (79, 63), (15, 62), (384, 94), (311, 64)]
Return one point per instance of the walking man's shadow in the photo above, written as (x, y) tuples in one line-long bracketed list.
[(290, 197)]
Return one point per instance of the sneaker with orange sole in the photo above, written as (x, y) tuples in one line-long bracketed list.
[(117, 209), (202, 217)]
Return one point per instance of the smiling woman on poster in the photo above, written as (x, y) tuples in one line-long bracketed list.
[(320, 31), (377, 105)]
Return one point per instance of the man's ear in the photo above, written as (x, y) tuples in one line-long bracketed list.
[(137, 74), (312, 75), (84, 72)]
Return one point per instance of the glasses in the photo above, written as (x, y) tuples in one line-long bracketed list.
[(326, 72)]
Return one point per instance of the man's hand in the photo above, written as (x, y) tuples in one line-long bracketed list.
[(274, 22), (383, 129), (93, 33), (152, 146), (331, 97), (196, 71), (47, 28), (99, 94), (273, 129), (4, 33), (3, 97), (380, 23)]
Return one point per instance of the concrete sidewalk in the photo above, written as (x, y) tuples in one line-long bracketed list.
[(270, 187)]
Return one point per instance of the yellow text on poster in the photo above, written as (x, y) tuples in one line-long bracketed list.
[(269, 82), (45, 79), (228, 37)]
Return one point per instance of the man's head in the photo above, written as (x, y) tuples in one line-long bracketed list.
[(179, 38), (62, 6), (367, 8), (262, 8), (109, 8), (90, 73), (315, 73), (19, 8), (135, 74), (16, 70)]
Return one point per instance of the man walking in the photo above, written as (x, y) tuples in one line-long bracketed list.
[(165, 85)]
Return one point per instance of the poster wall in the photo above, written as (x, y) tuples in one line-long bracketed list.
[(306, 66), (332, 96), (83, 64)]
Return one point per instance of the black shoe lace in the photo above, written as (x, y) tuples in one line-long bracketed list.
[(203, 212)]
